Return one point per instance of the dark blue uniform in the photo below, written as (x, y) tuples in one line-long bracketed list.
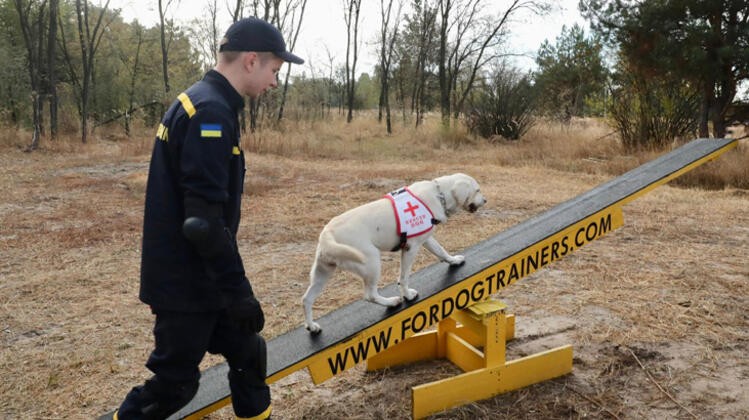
[(196, 152), (196, 155)]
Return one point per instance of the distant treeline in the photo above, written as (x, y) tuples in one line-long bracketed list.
[(658, 70)]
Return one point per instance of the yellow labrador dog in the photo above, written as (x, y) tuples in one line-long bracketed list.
[(402, 220)]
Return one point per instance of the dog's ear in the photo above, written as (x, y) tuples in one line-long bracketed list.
[(462, 193)]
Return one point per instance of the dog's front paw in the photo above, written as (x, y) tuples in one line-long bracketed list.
[(456, 260), (314, 328), (411, 294)]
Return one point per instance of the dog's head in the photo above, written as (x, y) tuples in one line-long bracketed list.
[(464, 190)]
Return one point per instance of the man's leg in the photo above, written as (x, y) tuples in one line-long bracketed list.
[(246, 356), (181, 342)]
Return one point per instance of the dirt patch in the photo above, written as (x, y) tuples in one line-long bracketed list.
[(656, 311)]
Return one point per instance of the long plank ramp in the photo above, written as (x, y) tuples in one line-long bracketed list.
[(357, 331)]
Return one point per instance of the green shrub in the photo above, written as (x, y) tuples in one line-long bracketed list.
[(502, 107)]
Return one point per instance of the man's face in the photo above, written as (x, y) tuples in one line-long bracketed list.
[(262, 73)]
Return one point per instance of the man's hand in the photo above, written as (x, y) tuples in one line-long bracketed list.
[(247, 314)]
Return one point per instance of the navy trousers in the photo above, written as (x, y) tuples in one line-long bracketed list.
[(182, 339)]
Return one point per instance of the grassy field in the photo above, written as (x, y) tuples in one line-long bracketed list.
[(656, 312)]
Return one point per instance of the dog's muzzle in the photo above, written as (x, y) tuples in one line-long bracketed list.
[(473, 206)]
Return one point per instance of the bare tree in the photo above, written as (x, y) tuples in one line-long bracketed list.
[(138, 32), (425, 35), (445, 8), (466, 37), (165, 43), (204, 31), (352, 8), (131, 61), (73, 76), (54, 7), (291, 35), (264, 9), (31, 19), (268, 11), (89, 40), (236, 12), (388, 36), (287, 16), (330, 83)]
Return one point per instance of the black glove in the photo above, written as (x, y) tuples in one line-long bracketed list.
[(247, 314)]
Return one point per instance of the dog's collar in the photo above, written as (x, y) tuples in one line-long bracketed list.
[(441, 197)]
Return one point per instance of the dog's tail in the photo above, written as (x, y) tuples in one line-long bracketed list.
[(333, 251)]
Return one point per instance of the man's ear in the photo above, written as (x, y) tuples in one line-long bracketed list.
[(250, 61)]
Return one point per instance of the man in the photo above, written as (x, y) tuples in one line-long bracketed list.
[(191, 271)]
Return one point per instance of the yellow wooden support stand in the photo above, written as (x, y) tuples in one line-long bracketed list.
[(473, 339)]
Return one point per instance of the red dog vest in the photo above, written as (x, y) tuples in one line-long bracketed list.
[(412, 216)]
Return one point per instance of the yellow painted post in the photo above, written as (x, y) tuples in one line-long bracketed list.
[(463, 354), (474, 339), (444, 328), (487, 372), (485, 383), (509, 327), (422, 346), (494, 339)]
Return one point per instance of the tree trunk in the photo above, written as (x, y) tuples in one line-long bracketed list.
[(288, 66), (445, 6), (133, 78), (254, 107), (704, 131), (83, 16), (352, 22), (39, 30), (386, 56), (388, 122), (30, 31), (36, 105), (381, 102), (164, 48), (237, 13), (402, 94), (89, 41)]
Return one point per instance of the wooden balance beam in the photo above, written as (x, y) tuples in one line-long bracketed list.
[(361, 330)]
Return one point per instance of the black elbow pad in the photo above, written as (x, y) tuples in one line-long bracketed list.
[(196, 229), (203, 227), (205, 235)]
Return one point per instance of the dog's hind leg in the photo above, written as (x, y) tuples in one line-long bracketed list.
[(370, 274), (318, 277), (373, 295)]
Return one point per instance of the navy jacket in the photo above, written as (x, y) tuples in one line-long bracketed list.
[(197, 152)]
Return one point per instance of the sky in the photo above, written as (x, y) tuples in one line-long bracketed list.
[(323, 28)]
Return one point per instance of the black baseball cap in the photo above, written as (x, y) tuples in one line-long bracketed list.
[(253, 34)]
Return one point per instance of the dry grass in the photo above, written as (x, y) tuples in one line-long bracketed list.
[(668, 290), (731, 172)]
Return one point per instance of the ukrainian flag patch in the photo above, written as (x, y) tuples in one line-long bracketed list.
[(210, 130)]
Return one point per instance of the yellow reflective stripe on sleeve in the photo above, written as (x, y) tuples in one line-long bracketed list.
[(262, 416), (187, 104), (114, 416), (235, 150), (162, 133)]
